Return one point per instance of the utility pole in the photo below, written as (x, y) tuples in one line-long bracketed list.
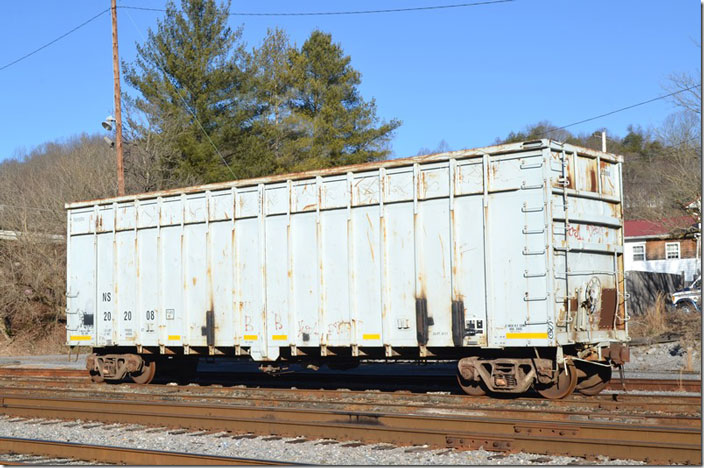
[(603, 142), (118, 111)]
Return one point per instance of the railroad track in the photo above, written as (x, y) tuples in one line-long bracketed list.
[(660, 429), (656, 385), (659, 408), (665, 385), (115, 455), (672, 403), (674, 439)]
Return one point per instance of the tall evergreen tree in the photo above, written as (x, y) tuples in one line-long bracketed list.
[(338, 126), (191, 74), (277, 109), (273, 91)]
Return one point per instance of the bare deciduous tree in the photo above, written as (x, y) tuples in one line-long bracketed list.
[(33, 191), (689, 91)]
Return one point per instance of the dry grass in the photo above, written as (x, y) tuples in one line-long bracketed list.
[(653, 323), (34, 342), (662, 319)]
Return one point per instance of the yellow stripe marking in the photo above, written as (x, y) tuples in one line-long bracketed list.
[(279, 337), (250, 337), (81, 338), (371, 336), (527, 336), (174, 337)]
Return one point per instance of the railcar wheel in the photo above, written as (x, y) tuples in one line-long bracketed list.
[(596, 380), (95, 377), (471, 387), (147, 374), (563, 386)]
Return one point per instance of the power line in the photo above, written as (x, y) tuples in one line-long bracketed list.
[(339, 13), (620, 110), (185, 104), (55, 40), (320, 13)]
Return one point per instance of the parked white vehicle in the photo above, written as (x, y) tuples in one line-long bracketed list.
[(689, 299)]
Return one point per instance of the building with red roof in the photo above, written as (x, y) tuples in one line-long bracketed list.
[(670, 245)]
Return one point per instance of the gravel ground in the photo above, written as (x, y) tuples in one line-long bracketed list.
[(274, 448), (662, 357), (58, 361)]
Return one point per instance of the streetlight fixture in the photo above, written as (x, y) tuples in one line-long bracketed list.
[(108, 123)]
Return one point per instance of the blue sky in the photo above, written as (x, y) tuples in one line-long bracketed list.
[(465, 75)]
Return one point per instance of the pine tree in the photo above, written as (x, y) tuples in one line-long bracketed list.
[(273, 90), (191, 75), (277, 109), (337, 126)]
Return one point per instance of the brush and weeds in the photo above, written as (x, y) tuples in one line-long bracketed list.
[(663, 320), (34, 342)]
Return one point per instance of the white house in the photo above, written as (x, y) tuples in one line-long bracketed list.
[(668, 246)]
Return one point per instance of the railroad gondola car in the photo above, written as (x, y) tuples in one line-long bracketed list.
[(507, 259)]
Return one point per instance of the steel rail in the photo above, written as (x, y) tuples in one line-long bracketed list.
[(683, 384), (118, 455), (42, 372), (663, 411), (671, 404), (630, 439)]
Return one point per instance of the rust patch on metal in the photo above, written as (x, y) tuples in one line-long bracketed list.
[(547, 430), (473, 443), (423, 185), (621, 285), (607, 185), (608, 309), (615, 209), (570, 174), (593, 185), (570, 303)]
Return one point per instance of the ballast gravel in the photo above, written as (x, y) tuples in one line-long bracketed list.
[(663, 357), (286, 449)]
